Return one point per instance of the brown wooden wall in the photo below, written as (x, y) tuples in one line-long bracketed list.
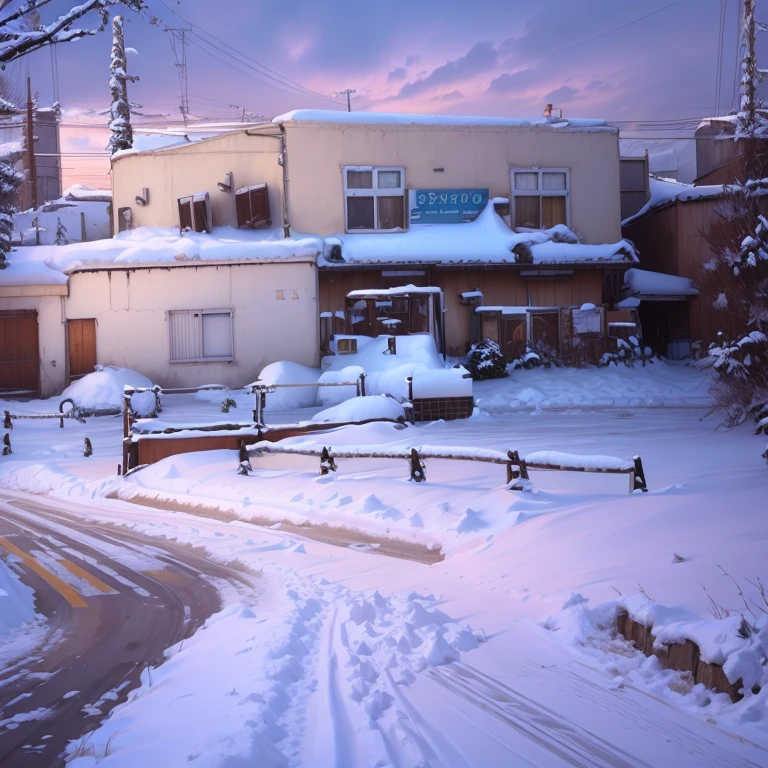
[(655, 238), (674, 240), (502, 287)]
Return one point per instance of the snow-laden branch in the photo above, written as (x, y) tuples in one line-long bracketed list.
[(22, 32)]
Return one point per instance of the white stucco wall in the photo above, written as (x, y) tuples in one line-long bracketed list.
[(479, 156), (470, 156), (274, 306), (198, 167), (52, 338)]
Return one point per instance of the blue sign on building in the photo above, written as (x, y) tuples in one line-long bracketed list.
[(446, 206)]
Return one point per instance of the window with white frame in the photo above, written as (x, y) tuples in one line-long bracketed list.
[(374, 198), (201, 335), (540, 197)]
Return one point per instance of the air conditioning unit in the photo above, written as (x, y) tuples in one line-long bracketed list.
[(195, 212)]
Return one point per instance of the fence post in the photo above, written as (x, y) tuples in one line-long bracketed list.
[(261, 404), (409, 379), (244, 467), (7, 451), (639, 479), (83, 231), (362, 385), (417, 468), (7, 423), (127, 412), (87, 448), (126, 454)]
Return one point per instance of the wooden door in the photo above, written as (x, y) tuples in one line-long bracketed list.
[(19, 352), (82, 347)]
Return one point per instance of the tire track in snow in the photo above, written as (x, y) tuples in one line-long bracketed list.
[(537, 723), (342, 728)]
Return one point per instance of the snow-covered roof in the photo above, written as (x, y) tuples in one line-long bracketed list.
[(664, 192), (161, 246), (339, 117), (486, 240), (83, 193), (22, 271), (399, 291), (641, 283)]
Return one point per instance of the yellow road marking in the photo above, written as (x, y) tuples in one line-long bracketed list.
[(172, 577), (69, 594), (81, 573)]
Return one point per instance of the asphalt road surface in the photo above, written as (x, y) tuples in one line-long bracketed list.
[(114, 600)]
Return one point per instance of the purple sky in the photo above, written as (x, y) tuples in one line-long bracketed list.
[(485, 57)]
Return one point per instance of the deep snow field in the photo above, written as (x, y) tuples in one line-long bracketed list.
[(500, 654)]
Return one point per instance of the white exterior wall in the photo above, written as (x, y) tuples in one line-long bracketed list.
[(173, 173), (471, 157), (131, 311), (52, 338)]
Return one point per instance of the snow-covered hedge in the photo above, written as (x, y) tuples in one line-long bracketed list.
[(485, 360)]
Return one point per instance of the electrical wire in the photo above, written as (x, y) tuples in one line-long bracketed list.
[(601, 35), (719, 70), (256, 66)]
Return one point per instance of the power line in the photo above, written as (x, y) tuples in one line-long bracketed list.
[(259, 68), (719, 70), (603, 34)]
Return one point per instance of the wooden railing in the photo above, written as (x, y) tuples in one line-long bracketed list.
[(517, 467)]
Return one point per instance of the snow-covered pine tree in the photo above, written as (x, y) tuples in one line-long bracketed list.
[(752, 117), (739, 269), (62, 236), (120, 111), (10, 181)]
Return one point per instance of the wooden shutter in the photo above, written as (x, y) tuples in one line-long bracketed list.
[(259, 200), (185, 213), (252, 206), (201, 210), (243, 208)]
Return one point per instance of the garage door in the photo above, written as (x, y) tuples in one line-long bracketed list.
[(19, 352)]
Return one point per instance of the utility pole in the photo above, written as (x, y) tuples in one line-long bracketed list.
[(31, 161), (348, 92), (178, 40)]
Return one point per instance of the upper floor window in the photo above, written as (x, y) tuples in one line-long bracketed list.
[(540, 197), (374, 198)]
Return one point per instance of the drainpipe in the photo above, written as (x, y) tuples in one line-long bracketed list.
[(283, 162)]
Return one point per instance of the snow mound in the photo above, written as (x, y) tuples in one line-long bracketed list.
[(104, 387), (362, 409), (285, 372), (17, 601)]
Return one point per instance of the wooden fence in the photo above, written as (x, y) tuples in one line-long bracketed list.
[(516, 467)]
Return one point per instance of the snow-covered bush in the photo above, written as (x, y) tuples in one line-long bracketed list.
[(740, 386), (628, 352), (485, 360)]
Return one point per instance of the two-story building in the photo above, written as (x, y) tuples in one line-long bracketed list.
[(515, 224)]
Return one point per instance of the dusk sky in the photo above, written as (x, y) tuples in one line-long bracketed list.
[(593, 58)]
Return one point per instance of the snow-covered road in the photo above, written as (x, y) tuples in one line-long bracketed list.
[(319, 671)]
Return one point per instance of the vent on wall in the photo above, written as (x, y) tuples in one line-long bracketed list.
[(252, 206)]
